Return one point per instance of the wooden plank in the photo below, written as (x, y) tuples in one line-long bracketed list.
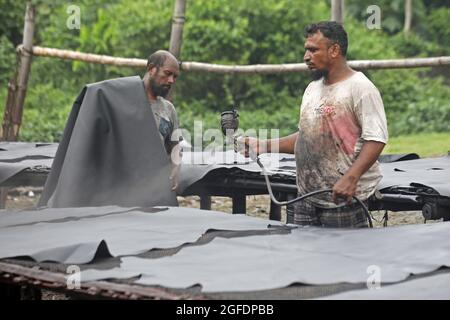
[(16, 274)]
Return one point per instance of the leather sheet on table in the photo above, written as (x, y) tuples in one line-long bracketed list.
[(73, 235), (312, 256)]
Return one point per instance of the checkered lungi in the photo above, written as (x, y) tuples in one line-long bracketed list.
[(350, 216)]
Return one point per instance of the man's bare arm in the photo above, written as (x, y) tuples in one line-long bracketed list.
[(176, 155), (285, 144), (281, 145), (346, 186)]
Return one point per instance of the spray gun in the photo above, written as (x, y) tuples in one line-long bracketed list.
[(229, 121)]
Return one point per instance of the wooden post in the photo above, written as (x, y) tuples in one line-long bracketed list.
[(176, 36), (337, 11), (14, 119), (9, 107), (408, 15)]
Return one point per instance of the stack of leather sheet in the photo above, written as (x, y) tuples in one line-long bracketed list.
[(231, 256), (16, 157)]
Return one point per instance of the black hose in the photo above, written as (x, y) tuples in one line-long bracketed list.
[(284, 203)]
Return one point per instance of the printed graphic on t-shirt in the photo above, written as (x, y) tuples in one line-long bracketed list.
[(165, 128)]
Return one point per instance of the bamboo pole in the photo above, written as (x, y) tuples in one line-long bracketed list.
[(176, 35), (337, 11), (408, 15), (301, 67), (9, 107), (400, 63), (12, 126), (239, 69), (87, 57), (248, 69)]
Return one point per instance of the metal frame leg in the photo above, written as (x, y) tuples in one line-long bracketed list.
[(275, 210), (239, 204), (205, 202)]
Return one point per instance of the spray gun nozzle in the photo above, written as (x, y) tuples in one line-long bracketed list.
[(229, 122)]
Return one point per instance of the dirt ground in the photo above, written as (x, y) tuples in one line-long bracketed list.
[(257, 206)]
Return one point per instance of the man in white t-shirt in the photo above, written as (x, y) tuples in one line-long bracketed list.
[(342, 131)]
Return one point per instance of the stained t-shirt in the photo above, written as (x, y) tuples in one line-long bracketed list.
[(335, 120), (166, 121)]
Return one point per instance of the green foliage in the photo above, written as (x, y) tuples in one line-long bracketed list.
[(438, 30), (246, 32), (47, 109), (392, 13), (11, 16), (367, 44), (430, 115), (411, 45), (7, 60), (239, 32), (413, 103), (424, 144)]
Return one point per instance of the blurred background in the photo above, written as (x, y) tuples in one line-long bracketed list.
[(241, 32)]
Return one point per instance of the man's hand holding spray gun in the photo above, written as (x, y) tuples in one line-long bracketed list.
[(252, 147)]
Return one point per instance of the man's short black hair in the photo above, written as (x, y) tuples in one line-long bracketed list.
[(331, 30), (159, 57)]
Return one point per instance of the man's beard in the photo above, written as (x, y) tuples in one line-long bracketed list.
[(159, 90), (318, 74)]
